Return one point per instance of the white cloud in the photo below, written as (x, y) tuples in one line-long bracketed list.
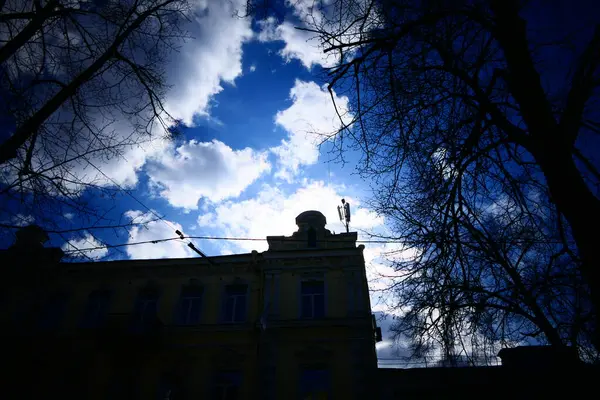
[(209, 170), (213, 56), (308, 121), (122, 168), (300, 45), (153, 230), (252, 68), (78, 247), (273, 212), (380, 273), (326, 15)]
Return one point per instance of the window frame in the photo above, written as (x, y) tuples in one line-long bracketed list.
[(227, 296), (96, 320), (312, 297), (142, 320), (187, 294)]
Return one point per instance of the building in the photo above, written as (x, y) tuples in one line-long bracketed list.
[(527, 372), (290, 322)]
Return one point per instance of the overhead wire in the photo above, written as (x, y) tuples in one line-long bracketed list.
[(131, 195), (191, 245), (161, 218), (250, 239)]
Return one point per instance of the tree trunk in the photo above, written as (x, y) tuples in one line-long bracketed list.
[(580, 208), (551, 147)]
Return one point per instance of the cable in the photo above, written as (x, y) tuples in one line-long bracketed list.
[(259, 240), (388, 241), (189, 244), (131, 195)]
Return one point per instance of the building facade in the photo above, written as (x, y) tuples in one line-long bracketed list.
[(291, 322)]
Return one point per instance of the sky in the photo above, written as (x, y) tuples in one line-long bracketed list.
[(252, 155), (252, 97), (254, 103)]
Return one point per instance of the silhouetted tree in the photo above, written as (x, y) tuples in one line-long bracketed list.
[(81, 82), (481, 150)]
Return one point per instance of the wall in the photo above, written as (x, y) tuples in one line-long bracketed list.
[(342, 341)]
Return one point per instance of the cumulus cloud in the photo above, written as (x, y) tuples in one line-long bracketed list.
[(153, 230), (308, 121), (306, 46), (300, 45), (86, 246), (123, 166), (273, 212), (389, 353), (195, 73), (381, 275), (212, 57), (211, 170)]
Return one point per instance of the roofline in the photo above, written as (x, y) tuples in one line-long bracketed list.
[(221, 259), (242, 257)]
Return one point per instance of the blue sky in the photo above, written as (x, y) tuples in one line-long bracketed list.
[(252, 97)]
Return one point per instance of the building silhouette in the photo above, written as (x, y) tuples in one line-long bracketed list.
[(291, 322)]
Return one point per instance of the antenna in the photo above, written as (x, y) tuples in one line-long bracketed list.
[(344, 214)]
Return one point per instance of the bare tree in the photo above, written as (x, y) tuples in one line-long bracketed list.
[(82, 82), (457, 112)]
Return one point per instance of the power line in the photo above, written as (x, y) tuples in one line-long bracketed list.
[(189, 244), (248, 239), (131, 195)]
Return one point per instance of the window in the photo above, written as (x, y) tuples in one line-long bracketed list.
[(145, 311), (313, 299), (227, 385), (314, 384), (96, 309), (312, 237), (235, 303), (52, 312), (190, 304)]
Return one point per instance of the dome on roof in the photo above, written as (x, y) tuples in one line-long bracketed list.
[(312, 218)]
